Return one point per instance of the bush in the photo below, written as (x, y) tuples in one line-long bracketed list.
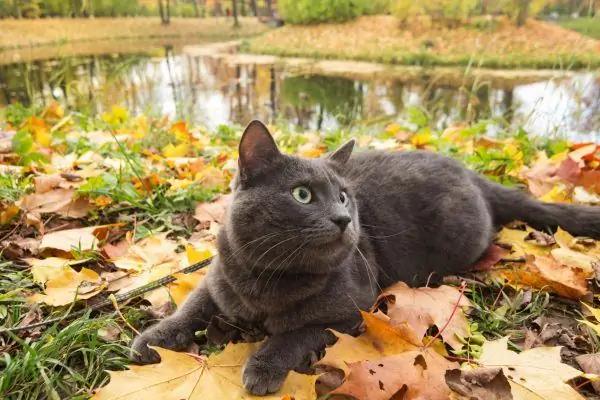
[(440, 11), (313, 12), (379, 7)]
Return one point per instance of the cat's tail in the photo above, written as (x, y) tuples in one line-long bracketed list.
[(508, 204)]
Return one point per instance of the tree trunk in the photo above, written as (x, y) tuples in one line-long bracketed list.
[(270, 7), (18, 9), (242, 8), (236, 22), (161, 12), (254, 8), (522, 12), (196, 8), (168, 12)]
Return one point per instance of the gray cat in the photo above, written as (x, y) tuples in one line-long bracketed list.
[(309, 242)]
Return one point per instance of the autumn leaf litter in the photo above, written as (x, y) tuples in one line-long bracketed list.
[(92, 213)]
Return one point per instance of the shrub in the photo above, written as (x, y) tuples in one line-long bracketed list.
[(312, 12), (440, 11)]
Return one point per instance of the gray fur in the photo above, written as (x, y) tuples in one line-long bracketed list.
[(289, 268)]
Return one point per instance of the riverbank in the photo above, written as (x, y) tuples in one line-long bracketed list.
[(40, 32), (381, 39)]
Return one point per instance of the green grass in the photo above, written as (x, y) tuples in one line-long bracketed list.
[(585, 26)]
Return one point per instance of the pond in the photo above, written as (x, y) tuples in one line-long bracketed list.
[(214, 89)]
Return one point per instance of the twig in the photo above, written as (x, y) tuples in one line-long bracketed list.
[(119, 298), (463, 287)]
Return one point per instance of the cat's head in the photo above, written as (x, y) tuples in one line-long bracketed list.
[(289, 213)]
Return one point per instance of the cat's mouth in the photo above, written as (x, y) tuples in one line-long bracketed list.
[(336, 238)]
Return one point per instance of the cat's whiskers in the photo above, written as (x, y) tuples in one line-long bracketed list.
[(265, 253), (264, 239), (370, 273), (282, 264)]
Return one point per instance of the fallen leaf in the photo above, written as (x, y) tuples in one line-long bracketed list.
[(8, 213), (380, 339), (60, 201), (480, 384), (49, 268), (416, 374), (175, 151), (180, 376), (544, 273), (492, 256), (535, 373), (81, 239), (424, 307), (63, 288), (515, 239), (590, 364), (148, 252)]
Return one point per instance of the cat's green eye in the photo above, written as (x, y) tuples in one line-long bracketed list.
[(302, 194)]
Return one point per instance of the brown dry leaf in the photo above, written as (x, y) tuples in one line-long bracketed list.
[(380, 339), (590, 364), (416, 374), (480, 384), (180, 376), (61, 201), (424, 307), (61, 289), (492, 256), (81, 239), (545, 273), (213, 212), (533, 374)]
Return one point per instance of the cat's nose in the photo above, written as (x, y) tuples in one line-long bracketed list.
[(342, 221)]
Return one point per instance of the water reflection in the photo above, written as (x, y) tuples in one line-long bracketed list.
[(212, 91)]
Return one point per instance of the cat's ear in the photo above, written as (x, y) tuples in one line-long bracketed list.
[(257, 150), (342, 155)]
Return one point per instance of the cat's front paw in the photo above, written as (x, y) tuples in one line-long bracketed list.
[(261, 378), (166, 335)]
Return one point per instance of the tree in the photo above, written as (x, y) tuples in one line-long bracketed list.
[(196, 8), (270, 7), (164, 12), (254, 7), (236, 22)]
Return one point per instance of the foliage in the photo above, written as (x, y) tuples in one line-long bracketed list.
[(311, 12), (381, 39), (438, 10), (118, 201)]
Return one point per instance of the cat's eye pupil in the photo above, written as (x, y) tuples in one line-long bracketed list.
[(302, 194), (344, 198)]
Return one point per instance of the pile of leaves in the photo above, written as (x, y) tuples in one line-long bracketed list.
[(93, 207)]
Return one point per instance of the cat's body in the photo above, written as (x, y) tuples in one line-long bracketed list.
[(295, 264)]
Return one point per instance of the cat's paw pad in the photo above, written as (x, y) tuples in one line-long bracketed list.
[(261, 378), (160, 335)]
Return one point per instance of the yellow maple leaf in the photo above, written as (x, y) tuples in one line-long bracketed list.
[(63, 288), (171, 151), (181, 376), (535, 373)]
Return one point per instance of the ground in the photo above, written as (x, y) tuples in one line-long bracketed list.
[(26, 33), (94, 206), (382, 39)]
